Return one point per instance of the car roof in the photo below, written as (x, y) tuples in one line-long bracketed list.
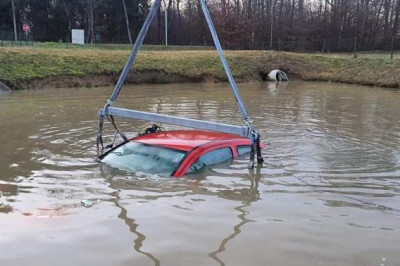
[(186, 140)]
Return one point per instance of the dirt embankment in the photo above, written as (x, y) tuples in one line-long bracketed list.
[(41, 68)]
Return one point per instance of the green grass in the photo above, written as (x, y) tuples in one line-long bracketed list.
[(40, 67)]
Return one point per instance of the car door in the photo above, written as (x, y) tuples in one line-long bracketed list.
[(212, 157), (206, 157)]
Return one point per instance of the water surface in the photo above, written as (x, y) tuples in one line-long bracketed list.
[(328, 193)]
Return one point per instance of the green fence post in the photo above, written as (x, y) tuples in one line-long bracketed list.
[(355, 47), (391, 49), (299, 45)]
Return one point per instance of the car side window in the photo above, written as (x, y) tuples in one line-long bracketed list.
[(212, 157), (243, 149)]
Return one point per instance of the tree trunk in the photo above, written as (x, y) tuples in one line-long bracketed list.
[(272, 24), (249, 12), (365, 11), (386, 12), (179, 28), (223, 7), (67, 12), (301, 10), (91, 23), (396, 19), (291, 16), (159, 26)]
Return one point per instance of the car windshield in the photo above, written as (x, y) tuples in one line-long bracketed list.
[(134, 156)]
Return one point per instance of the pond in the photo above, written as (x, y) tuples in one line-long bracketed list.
[(328, 192)]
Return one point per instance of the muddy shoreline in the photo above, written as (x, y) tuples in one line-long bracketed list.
[(158, 77)]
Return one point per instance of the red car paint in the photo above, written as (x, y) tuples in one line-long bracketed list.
[(195, 142)]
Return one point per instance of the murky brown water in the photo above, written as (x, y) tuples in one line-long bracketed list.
[(329, 192)]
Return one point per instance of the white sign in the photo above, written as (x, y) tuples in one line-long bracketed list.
[(78, 36)]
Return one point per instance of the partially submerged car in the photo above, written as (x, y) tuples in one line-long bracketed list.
[(176, 153)]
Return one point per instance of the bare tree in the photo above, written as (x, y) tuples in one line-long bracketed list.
[(396, 19), (68, 13), (240, 24), (90, 36), (386, 13)]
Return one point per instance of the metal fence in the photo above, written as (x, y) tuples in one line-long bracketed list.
[(346, 45), (323, 45), (354, 46), (7, 39)]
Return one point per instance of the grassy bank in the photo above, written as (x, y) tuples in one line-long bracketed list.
[(23, 68)]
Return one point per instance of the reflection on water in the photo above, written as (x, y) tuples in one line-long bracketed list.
[(249, 195), (133, 228), (328, 193)]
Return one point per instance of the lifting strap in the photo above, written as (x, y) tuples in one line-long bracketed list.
[(99, 137), (255, 149)]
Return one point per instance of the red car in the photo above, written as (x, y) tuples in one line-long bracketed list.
[(176, 153)]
